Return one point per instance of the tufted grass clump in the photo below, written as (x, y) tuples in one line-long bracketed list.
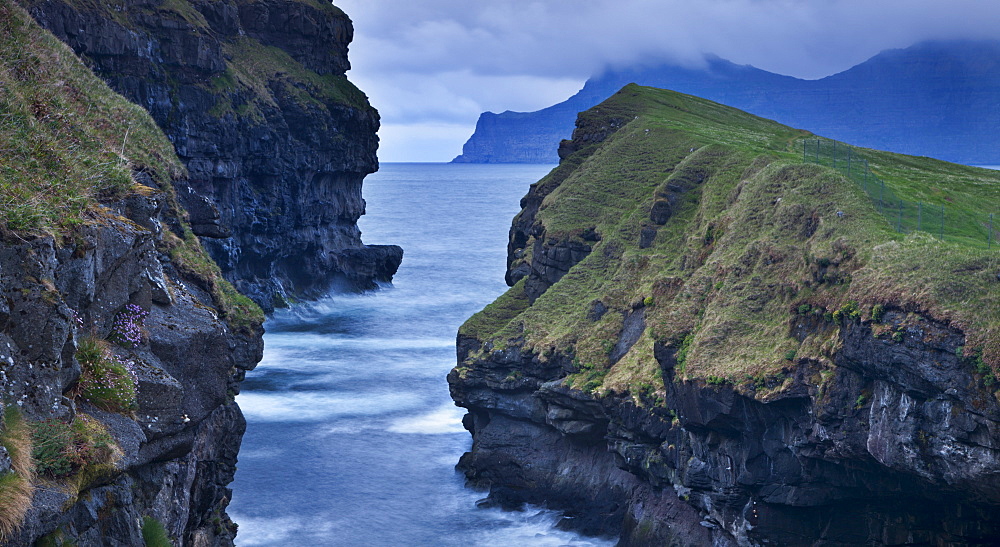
[(52, 443), (106, 381), (154, 534), (16, 487), (60, 449)]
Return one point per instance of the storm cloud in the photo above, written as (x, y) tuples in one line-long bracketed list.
[(437, 64)]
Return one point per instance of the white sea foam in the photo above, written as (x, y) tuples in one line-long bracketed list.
[(352, 428), (277, 531), (265, 453), (445, 420), (312, 341), (310, 406), (534, 527), (382, 436)]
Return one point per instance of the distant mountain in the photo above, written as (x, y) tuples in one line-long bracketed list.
[(938, 99)]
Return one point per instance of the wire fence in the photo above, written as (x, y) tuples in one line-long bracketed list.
[(904, 216)]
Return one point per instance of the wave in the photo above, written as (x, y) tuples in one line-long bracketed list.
[(321, 406), (445, 420), (301, 341)]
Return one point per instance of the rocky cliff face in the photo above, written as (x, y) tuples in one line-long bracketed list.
[(729, 362), (121, 346), (176, 452), (275, 138), (517, 137), (891, 447)]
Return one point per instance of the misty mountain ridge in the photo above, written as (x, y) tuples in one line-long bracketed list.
[(936, 98)]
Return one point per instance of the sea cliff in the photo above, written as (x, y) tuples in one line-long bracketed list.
[(709, 341), (122, 343), (275, 138)]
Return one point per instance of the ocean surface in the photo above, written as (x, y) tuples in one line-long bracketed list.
[(352, 437)]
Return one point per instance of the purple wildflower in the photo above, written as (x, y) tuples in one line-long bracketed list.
[(126, 331)]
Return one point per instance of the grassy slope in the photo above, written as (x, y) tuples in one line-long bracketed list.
[(734, 264), (70, 143), (67, 140)]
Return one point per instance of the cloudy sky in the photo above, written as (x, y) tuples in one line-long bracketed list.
[(432, 66)]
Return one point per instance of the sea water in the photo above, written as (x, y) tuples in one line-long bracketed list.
[(352, 437)]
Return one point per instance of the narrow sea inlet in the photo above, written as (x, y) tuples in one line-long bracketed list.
[(352, 437)]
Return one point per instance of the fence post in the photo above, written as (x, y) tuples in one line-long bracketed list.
[(881, 191), (989, 234), (848, 162), (834, 154), (817, 150), (920, 213), (899, 221)]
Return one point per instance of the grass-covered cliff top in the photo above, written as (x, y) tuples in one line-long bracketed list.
[(67, 139), (256, 75), (69, 143), (754, 241), (260, 70)]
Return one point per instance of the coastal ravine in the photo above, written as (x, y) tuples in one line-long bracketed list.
[(352, 437)]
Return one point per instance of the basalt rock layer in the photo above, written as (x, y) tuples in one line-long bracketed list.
[(708, 342), (177, 450), (276, 140), (121, 346)]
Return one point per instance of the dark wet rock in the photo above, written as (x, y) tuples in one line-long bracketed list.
[(597, 311), (551, 261), (178, 449), (632, 328), (646, 237), (5, 462), (893, 445), (370, 264), (276, 167)]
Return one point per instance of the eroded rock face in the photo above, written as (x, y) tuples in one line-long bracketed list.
[(894, 445), (551, 257), (276, 141), (178, 449)]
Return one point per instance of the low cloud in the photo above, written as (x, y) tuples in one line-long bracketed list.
[(409, 97), (575, 38), (444, 61)]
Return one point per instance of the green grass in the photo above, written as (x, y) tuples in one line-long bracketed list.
[(16, 486), (242, 314), (260, 68), (77, 454), (52, 448), (70, 143), (755, 238), (154, 534), (940, 198), (184, 11), (56, 538), (497, 314), (104, 381)]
